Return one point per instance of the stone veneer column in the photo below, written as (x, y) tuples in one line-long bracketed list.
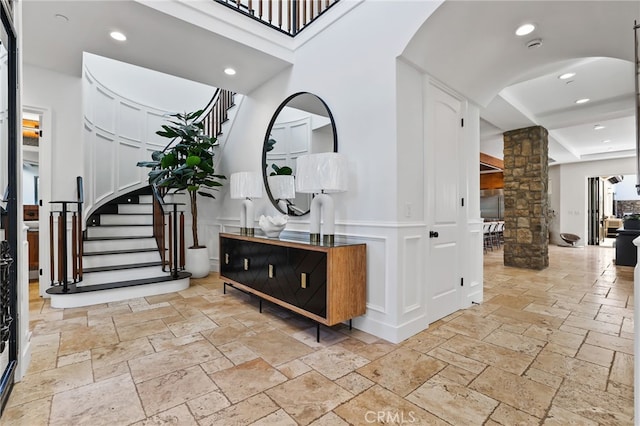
[(526, 177)]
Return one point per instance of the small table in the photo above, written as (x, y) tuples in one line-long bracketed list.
[(626, 252)]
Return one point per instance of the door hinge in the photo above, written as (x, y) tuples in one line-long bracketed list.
[(462, 202), (461, 282), (40, 132), (462, 122), (40, 271)]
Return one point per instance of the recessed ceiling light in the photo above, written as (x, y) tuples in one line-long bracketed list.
[(525, 29), (229, 71), (606, 141), (598, 127), (117, 35), (566, 75), (583, 101)]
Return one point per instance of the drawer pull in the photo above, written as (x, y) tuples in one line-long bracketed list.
[(226, 258), (270, 271), (246, 264), (303, 280)]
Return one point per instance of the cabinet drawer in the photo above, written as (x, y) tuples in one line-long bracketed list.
[(298, 277)]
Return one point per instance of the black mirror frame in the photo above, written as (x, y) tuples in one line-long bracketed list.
[(267, 136)]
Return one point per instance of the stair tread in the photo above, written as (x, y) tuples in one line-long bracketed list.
[(133, 237), (123, 224), (126, 214), (120, 267), (126, 251), (74, 289)]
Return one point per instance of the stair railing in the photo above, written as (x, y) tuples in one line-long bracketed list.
[(289, 17), (168, 231), (61, 252)]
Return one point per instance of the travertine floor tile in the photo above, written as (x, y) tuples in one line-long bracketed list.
[(547, 347), (177, 416), (452, 402), (308, 397), (111, 401), (34, 413), (524, 394), (161, 393), (247, 379), (160, 363), (380, 406), (594, 404), (334, 362), (402, 370)]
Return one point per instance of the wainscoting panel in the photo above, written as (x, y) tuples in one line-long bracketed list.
[(104, 111), (130, 122), (128, 156), (104, 151), (412, 260)]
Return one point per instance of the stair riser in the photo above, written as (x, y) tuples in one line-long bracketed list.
[(123, 244), (115, 295), (135, 208), (92, 278), (126, 219), (119, 231), (120, 259), (146, 199)]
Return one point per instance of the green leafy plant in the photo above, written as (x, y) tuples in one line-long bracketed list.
[(634, 216), (187, 164), (284, 170)]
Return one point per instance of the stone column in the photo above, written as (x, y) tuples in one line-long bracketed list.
[(526, 177)]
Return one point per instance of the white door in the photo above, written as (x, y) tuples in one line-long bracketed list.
[(443, 137)]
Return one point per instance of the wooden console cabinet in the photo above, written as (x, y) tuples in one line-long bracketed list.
[(324, 283)]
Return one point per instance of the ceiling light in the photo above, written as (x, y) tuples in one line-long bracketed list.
[(583, 101), (598, 127), (61, 17), (117, 35), (525, 29), (566, 75), (229, 71), (606, 141)]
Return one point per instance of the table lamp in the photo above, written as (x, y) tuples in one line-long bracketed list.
[(246, 185)]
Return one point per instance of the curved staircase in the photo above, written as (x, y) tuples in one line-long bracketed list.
[(120, 256)]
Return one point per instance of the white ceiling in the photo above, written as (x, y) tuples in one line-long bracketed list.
[(468, 45), (472, 47)]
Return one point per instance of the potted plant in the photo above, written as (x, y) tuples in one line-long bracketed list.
[(187, 164)]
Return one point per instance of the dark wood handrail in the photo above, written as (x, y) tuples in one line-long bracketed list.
[(298, 14), (165, 215)]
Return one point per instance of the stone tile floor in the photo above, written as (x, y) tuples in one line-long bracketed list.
[(552, 347)]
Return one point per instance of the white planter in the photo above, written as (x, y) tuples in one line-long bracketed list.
[(197, 262)]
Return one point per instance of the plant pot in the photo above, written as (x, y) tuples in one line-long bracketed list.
[(197, 262)]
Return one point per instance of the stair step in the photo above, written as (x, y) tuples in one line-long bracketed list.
[(111, 275), (135, 208), (123, 251), (120, 259), (126, 219), (145, 199), (121, 267), (120, 231), (119, 243), (114, 291)]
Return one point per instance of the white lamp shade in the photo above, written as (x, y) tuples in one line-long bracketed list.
[(282, 187), (246, 185), (323, 172)]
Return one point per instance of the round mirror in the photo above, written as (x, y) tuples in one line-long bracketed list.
[(301, 125)]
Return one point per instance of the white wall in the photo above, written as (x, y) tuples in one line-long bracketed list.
[(62, 95), (626, 189), (147, 87), (571, 202), (381, 137)]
